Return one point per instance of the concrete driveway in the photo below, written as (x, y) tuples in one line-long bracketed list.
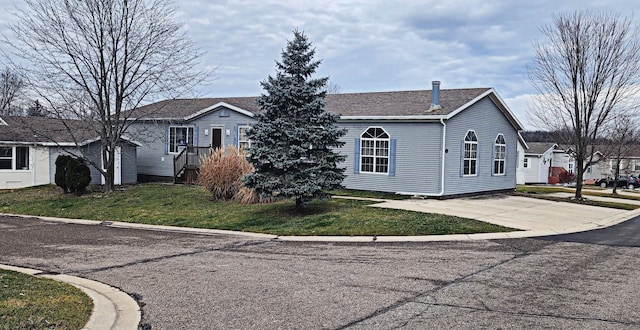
[(536, 217)]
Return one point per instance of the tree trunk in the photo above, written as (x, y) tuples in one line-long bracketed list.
[(579, 176), (616, 177), (109, 185), (299, 204)]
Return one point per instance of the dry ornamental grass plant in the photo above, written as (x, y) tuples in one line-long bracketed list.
[(222, 172)]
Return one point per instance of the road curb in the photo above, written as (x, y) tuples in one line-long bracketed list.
[(596, 224), (112, 308)]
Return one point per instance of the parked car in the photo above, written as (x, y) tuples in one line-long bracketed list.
[(624, 181)]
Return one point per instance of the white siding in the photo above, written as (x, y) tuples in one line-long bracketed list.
[(520, 171), (37, 174)]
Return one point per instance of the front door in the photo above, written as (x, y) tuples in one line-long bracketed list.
[(216, 137)]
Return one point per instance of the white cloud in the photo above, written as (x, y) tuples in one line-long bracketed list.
[(376, 45)]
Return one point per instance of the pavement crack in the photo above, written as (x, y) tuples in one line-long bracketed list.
[(562, 317), (229, 247), (425, 294)]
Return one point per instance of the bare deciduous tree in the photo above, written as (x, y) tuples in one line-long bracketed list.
[(586, 70), (332, 88), (94, 60), (11, 86), (622, 133)]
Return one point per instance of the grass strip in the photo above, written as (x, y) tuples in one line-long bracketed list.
[(613, 205), (190, 206), (29, 302)]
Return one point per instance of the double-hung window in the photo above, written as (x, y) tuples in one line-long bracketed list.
[(470, 157), (499, 155), (179, 137), (243, 139), (14, 158), (374, 151)]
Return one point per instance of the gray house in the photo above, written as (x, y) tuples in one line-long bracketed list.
[(438, 143), (28, 159)]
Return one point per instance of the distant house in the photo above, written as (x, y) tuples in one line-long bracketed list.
[(537, 162), (438, 143), (522, 149), (28, 159), (547, 162), (629, 163)]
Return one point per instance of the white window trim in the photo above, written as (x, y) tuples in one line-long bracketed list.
[(503, 160), (525, 163), (470, 159), (248, 141), (169, 137), (374, 156), (14, 159)]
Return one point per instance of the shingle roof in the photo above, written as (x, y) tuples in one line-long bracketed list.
[(400, 103), (183, 108), (22, 129), (538, 148)]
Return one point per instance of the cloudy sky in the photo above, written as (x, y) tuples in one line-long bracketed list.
[(371, 45)]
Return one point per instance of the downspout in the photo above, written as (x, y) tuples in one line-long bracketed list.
[(444, 152), (435, 106)]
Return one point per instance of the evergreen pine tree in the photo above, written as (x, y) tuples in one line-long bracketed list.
[(294, 140)]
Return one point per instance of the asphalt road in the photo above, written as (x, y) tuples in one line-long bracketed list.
[(187, 281)]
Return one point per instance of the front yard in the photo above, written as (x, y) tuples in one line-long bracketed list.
[(588, 192), (190, 206)]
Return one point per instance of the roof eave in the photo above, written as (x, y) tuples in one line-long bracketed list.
[(218, 105), (393, 118), (498, 101)]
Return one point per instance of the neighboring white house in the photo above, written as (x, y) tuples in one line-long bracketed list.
[(521, 150), (537, 162), (28, 159), (547, 162)]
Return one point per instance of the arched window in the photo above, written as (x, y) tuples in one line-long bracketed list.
[(374, 151), (470, 157), (499, 155)]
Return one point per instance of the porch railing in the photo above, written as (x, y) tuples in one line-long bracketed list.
[(189, 158)]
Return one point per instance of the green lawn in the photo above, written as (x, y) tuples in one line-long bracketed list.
[(542, 191), (29, 302), (190, 206)]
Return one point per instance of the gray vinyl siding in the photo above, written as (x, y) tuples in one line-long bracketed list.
[(417, 161), (128, 159), (92, 151), (226, 119), (152, 158), (487, 121)]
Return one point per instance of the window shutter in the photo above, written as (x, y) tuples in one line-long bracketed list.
[(505, 158), (392, 157), (493, 160), (356, 158), (166, 140), (195, 136), (462, 158), (477, 159), (235, 138)]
